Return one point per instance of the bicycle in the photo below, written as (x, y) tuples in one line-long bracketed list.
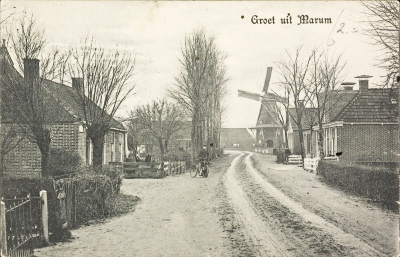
[(201, 168)]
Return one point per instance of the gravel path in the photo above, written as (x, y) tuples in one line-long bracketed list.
[(177, 216), (248, 206)]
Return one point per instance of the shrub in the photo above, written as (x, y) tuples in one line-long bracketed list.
[(379, 184), (95, 194), (92, 193), (115, 174), (62, 162)]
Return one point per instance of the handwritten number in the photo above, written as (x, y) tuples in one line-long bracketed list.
[(341, 27)]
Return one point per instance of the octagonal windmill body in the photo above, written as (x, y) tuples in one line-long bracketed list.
[(269, 131)]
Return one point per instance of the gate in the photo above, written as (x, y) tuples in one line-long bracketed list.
[(23, 225), (66, 191)]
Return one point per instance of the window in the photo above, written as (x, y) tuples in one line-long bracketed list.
[(88, 151), (308, 140), (105, 150), (121, 150), (330, 142), (112, 146)]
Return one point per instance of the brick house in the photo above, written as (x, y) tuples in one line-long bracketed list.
[(360, 124), (67, 126)]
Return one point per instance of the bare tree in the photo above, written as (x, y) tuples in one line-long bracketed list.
[(136, 135), (26, 99), (384, 30), (105, 83), (159, 120), (324, 89), (293, 72), (10, 139), (28, 42), (200, 87)]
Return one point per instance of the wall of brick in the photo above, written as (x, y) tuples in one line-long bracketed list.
[(25, 158), (378, 141)]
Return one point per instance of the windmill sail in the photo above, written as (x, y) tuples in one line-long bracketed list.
[(267, 79), (249, 95)]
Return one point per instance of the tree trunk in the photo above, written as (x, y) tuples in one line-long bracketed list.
[(193, 137), (44, 146), (98, 149), (161, 145), (166, 145), (301, 138), (285, 131), (321, 142), (44, 161)]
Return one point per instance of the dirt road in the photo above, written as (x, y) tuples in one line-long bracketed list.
[(248, 206)]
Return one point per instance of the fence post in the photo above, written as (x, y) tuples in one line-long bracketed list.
[(3, 233), (45, 216)]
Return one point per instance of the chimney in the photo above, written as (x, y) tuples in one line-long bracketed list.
[(77, 83), (301, 103), (31, 69), (363, 82), (348, 86)]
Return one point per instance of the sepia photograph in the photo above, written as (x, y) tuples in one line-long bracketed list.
[(199, 128)]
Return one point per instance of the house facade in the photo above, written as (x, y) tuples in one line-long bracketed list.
[(359, 125), (67, 126)]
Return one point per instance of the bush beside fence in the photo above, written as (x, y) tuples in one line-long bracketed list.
[(378, 184), (19, 187), (94, 196)]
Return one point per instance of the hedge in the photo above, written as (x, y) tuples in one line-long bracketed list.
[(95, 193), (376, 183), (63, 161)]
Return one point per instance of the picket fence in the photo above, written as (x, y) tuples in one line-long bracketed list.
[(311, 164)]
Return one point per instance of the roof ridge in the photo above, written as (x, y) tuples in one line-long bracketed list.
[(115, 124), (346, 107), (71, 112)]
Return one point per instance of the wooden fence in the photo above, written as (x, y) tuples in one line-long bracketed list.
[(311, 164), (66, 194), (143, 170), (174, 167), (153, 169)]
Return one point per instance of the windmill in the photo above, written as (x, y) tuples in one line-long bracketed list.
[(269, 132), (265, 96)]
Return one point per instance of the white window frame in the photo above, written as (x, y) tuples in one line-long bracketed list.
[(105, 150), (120, 147), (112, 147)]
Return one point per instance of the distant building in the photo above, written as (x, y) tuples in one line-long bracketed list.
[(182, 139), (236, 137)]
